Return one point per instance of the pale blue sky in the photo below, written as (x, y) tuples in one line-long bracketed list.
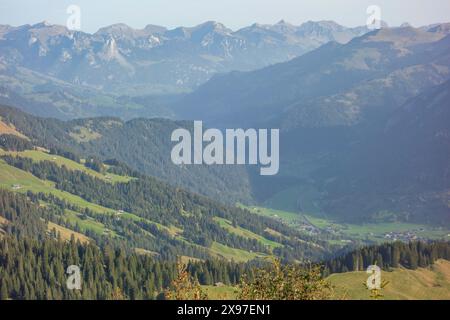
[(233, 13)]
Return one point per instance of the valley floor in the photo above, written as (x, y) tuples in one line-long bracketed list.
[(341, 234)]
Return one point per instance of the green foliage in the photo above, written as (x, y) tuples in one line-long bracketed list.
[(184, 287), (286, 282)]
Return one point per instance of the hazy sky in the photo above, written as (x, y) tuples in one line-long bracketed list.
[(233, 13)]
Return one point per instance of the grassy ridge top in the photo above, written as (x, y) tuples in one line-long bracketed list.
[(226, 224), (38, 155), (9, 129), (432, 283), (22, 181)]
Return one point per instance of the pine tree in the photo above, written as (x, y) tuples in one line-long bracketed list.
[(3, 290)]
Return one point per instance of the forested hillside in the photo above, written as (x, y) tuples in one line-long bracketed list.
[(143, 144), (110, 202), (42, 233), (34, 257)]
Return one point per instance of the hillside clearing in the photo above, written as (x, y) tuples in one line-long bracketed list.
[(226, 224), (432, 283), (9, 129), (221, 292), (234, 254), (66, 234), (40, 155)]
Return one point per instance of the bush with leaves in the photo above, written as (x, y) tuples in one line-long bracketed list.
[(185, 287), (286, 282)]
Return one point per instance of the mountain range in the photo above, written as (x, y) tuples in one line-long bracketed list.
[(41, 62), (334, 85)]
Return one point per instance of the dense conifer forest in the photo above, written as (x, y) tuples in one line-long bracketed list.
[(410, 255)]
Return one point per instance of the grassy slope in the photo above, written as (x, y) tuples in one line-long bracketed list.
[(284, 216), (245, 233), (9, 129), (431, 283), (37, 156), (237, 255), (10, 176), (66, 234), (220, 293), (85, 224)]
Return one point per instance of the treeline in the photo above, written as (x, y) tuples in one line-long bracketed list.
[(120, 168), (390, 255), (12, 142), (65, 153)]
